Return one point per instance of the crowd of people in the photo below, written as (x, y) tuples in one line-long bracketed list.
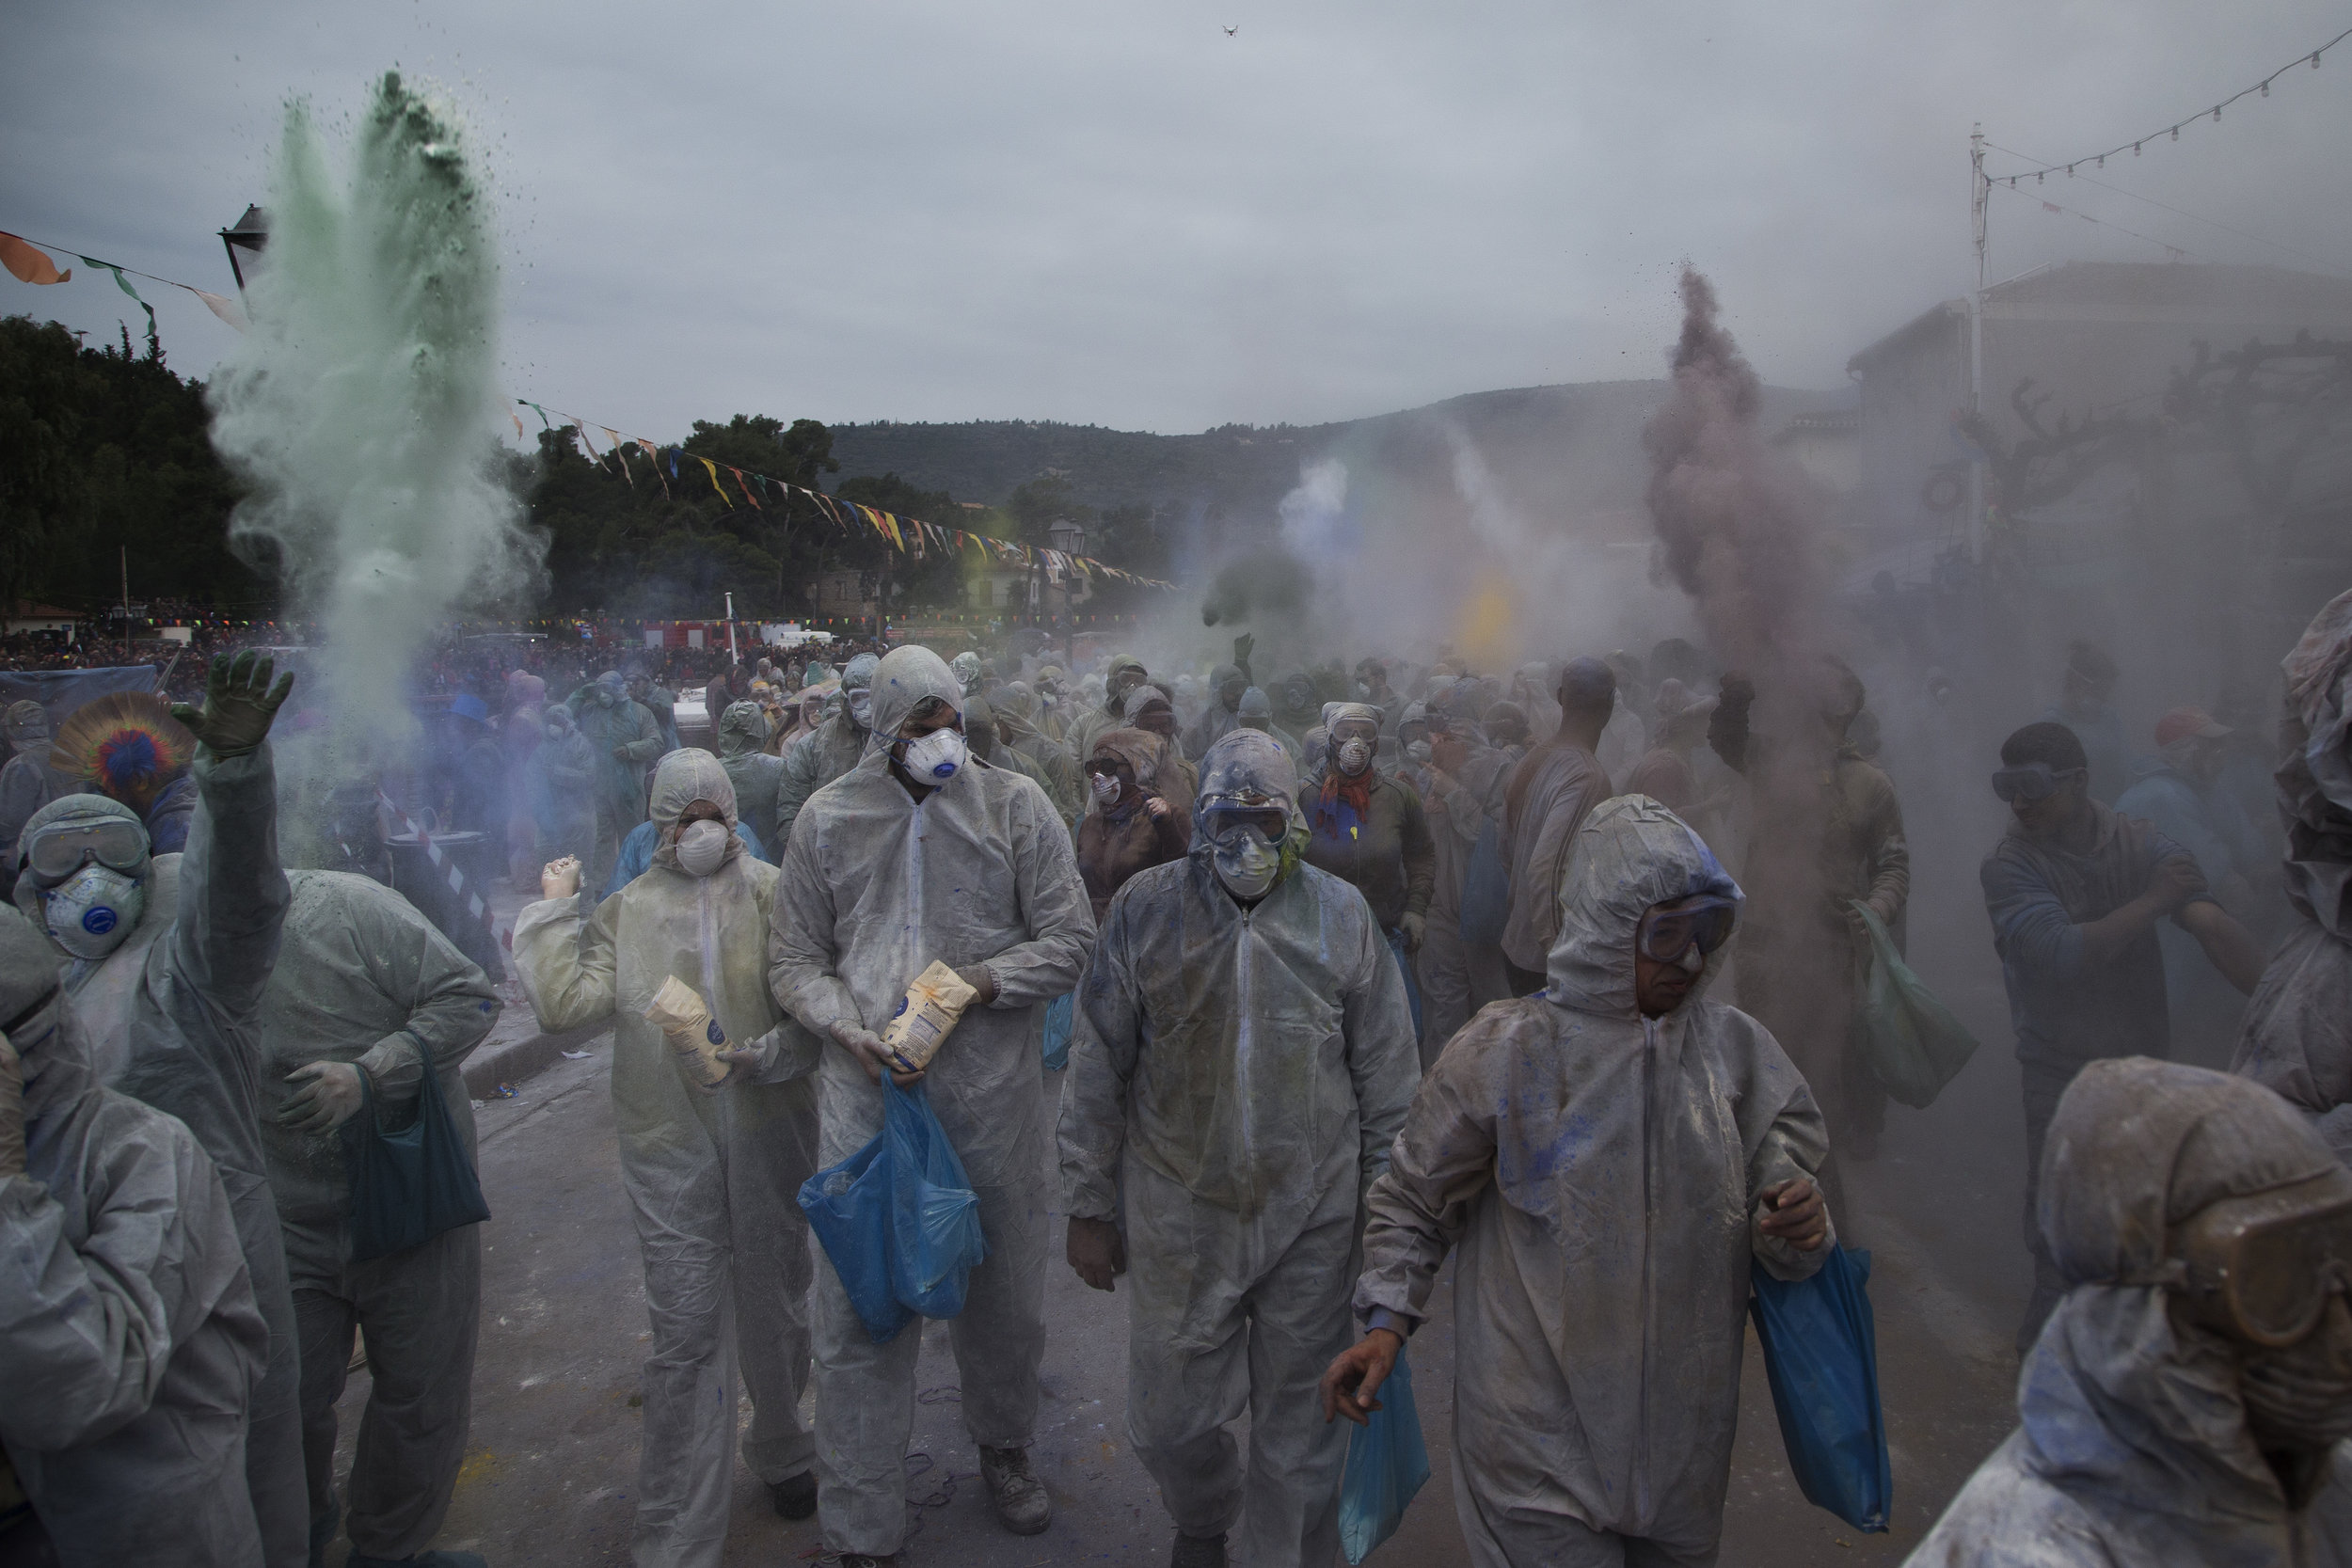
[(1353, 971)]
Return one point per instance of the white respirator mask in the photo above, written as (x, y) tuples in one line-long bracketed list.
[(934, 758), (1105, 787), (861, 709), (1354, 756), (1247, 862), (91, 913), (1420, 751), (702, 847)]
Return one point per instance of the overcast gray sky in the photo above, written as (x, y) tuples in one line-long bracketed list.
[(1120, 214)]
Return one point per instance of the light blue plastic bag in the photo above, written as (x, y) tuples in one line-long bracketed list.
[(898, 1219), (1387, 1464), (1059, 1016)]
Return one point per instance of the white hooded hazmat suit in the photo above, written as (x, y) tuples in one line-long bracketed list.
[(814, 760), (172, 1015), (1240, 1072), (2132, 1444), (130, 1344), (876, 886), (365, 978), (1600, 1172), (713, 1179)]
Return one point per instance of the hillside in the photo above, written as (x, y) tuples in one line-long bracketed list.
[(1560, 450)]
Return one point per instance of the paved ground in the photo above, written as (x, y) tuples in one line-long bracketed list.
[(552, 1467)]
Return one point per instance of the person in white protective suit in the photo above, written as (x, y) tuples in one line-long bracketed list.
[(166, 957), (2190, 1394), (713, 1179), (924, 853), (366, 985), (1612, 1155), (1243, 1057), (130, 1344), (814, 760)]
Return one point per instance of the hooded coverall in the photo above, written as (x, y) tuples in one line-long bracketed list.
[(713, 1179), (130, 1344), (874, 887), (2132, 1444), (820, 756), (173, 1018), (1239, 1074), (1600, 1172), (364, 979)]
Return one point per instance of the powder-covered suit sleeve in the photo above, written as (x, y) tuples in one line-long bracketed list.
[(1781, 1132), (87, 1329), (566, 959), (1383, 1058), (1056, 909), (233, 890), (1106, 1038), (1442, 1159), (451, 1006)]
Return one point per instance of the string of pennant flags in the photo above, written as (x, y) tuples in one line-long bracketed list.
[(909, 536)]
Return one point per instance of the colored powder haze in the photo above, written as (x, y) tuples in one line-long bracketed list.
[(363, 406)]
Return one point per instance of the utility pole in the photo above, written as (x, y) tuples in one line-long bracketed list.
[(733, 658), (1979, 199)]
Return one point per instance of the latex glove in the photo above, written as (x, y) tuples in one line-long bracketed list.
[(239, 705), (980, 980), (560, 878), (1350, 1382), (11, 1112), (871, 1055), (327, 1095), (1096, 1252), (1413, 926)]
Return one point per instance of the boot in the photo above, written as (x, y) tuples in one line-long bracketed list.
[(1020, 1497), (1198, 1551)]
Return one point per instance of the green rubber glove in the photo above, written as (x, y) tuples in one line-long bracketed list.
[(239, 705)]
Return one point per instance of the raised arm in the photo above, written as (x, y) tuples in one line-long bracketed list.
[(563, 952), (233, 890)]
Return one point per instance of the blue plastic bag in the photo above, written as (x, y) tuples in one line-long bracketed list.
[(935, 1215), (1386, 1465), (1059, 1015), (1820, 1354), (1486, 891), (898, 1219), (847, 1207)]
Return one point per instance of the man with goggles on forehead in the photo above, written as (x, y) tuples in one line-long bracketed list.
[(2074, 892), (2187, 1400), (1241, 1059), (1609, 1160), (166, 959)]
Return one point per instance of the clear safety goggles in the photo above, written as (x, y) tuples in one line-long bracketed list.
[(2263, 1267), (2035, 781), (1703, 921), (62, 849), (1228, 816)]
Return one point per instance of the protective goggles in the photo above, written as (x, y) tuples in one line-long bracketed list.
[(1704, 922), (63, 849), (1224, 819), (1102, 767), (2263, 1267), (2035, 781)]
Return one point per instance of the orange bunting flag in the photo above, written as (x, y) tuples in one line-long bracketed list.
[(518, 423), (29, 264), (746, 489)]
